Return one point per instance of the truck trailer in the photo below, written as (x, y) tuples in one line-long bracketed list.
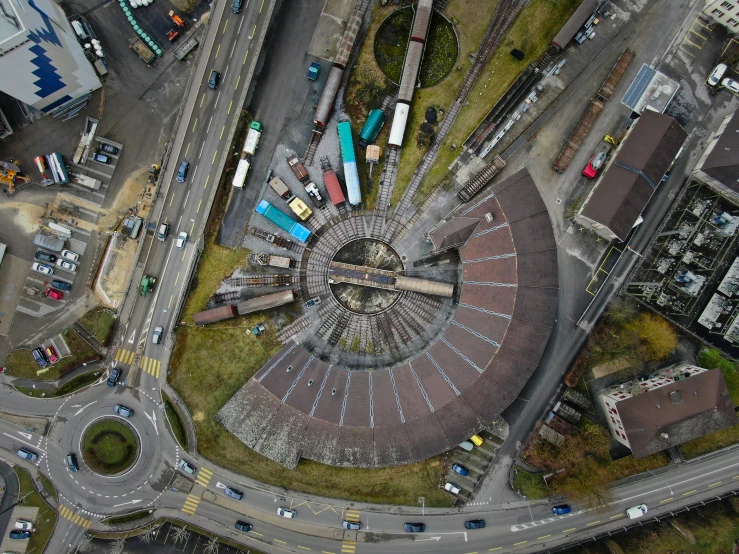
[(252, 138), (142, 50)]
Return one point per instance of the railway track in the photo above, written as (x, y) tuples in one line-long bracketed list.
[(505, 14), (315, 139)]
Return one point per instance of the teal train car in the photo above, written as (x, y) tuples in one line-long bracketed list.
[(372, 128)]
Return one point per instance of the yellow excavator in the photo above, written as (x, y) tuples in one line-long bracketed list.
[(11, 174)]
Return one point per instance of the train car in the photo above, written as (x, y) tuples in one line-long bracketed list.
[(283, 221), (350, 163), (300, 208), (279, 186), (240, 176), (333, 187), (328, 96), (298, 168), (265, 302), (215, 314), (371, 128)]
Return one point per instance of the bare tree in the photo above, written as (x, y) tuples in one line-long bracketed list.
[(149, 534), (212, 546), (180, 534), (117, 546), (85, 544)]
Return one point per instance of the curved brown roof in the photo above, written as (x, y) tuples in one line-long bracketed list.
[(300, 406)]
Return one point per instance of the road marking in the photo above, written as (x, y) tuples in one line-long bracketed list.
[(28, 443), (178, 278), (544, 537), (224, 128), (245, 55), (191, 504), (255, 533), (254, 32), (735, 477), (352, 515), (82, 409), (184, 253), (593, 523), (130, 339), (127, 503), (206, 181), (192, 227), (198, 210), (217, 51), (214, 157), (76, 519), (166, 218), (568, 530), (209, 123), (689, 492), (150, 365), (665, 500), (517, 543), (195, 125), (153, 419), (124, 356), (202, 100), (348, 547), (260, 7), (304, 547), (278, 540), (224, 27), (187, 149), (171, 200), (616, 516), (494, 549), (229, 107), (204, 476), (715, 484), (232, 51), (170, 301), (237, 83)]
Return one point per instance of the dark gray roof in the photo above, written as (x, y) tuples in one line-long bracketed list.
[(578, 19), (626, 187), (723, 162), (445, 393), (453, 233), (684, 410)]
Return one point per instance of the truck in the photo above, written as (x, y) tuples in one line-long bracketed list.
[(313, 70), (279, 186), (142, 50), (215, 314), (147, 285), (240, 176), (185, 48), (298, 169), (300, 208), (252, 138), (49, 242), (598, 159), (283, 221)]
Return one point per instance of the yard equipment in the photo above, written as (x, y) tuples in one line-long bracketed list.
[(177, 20), (147, 285), (258, 329), (10, 174), (153, 173)]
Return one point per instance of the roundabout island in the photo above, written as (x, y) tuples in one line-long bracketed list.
[(109, 446)]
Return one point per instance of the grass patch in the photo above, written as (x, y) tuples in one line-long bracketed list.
[(530, 485), (133, 516), (46, 516), (175, 421), (48, 486), (711, 358), (709, 443), (109, 446), (100, 323), (73, 385)]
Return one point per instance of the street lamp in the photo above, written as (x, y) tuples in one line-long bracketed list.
[(422, 502)]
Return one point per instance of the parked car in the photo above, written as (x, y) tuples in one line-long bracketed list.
[(414, 527), (233, 493), (102, 158), (61, 285), (466, 445), (477, 440), (716, 75), (24, 525), (54, 294), (457, 468), (213, 80), (187, 467), (181, 239), (236, 6), (72, 462), (636, 511), (314, 70), (156, 336), (68, 254), (123, 411), (244, 526), (109, 148), (42, 268), (474, 524), (51, 354), (45, 256), (115, 373), (27, 454), (40, 357), (66, 264), (351, 525), (182, 171), (452, 488), (730, 85), (17, 534), (561, 510), (285, 512)]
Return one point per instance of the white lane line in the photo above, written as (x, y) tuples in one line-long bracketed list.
[(218, 96), (240, 24), (83, 408), (209, 122), (232, 50), (201, 150), (28, 443), (185, 204), (226, 72)]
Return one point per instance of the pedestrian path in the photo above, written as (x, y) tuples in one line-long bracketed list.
[(352, 515), (76, 519), (191, 504), (151, 366), (348, 547), (204, 476)]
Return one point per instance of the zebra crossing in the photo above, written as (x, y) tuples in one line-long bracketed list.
[(151, 366), (204, 476), (191, 504), (76, 519)]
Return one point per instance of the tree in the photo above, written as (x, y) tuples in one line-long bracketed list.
[(586, 482), (117, 546), (212, 546), (85, 544), (148, 534), (657, 338), (180, 534), (621, 311)]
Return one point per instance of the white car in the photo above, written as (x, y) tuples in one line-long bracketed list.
[(156, 336), (731, 85), (42, 268), (73, 256), (452, 488), (66, 264), (716, 75), (284, 512), (636, 511), (181, 239), (186, 467), (24, 525)]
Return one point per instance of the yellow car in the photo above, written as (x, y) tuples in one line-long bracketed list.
[(477, 440)]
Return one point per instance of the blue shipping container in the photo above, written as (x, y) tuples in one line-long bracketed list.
[(351, 176), (283, 221)]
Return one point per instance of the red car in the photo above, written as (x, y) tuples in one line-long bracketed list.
[(55, 294), (51, 354)]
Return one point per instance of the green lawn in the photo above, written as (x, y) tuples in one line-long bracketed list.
[(73, 385), (175, 421), (133, 516), (109, 446), (48, 486), (46, 517), (100, 322), (531, 485)]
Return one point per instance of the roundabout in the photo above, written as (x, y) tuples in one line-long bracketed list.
[(109, 446)]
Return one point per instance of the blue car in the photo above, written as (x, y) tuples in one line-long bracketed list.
[(456, 468), (182, 172), (561, 510)]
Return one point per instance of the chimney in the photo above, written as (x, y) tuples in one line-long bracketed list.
[(676, 397)]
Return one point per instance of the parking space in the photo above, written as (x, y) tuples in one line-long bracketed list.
[(21, 518), (695, 38), (468, 466), (91, 179)]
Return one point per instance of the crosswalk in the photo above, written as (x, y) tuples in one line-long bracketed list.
[(191, 504), (204, 476), (352, 515), (347, 547), (150, 365), (76, 519)]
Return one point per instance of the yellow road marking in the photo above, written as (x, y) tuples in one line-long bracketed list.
[(494, 549), (616, 516), (260, 7), (171, 200), (245, 55), (214, 157), (304, 547), (255, 533), (254, 32), (237, 83), (217, 52), (202, 100), (224, 27), (325, 552), (278, 540), (170, 301), (517, 543), (568, 530), (693, 43), (665, 500), (195, 125), (224, 128), (593, 523), (544, 537), (166, 218), (184, 253), (714, 484), (697, 33), (178, 278), (187, 149), (201, 201), (229, 107), (689, 492), (192, 227), (206, 181)]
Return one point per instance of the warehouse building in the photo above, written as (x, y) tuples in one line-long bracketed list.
[(719, 166)]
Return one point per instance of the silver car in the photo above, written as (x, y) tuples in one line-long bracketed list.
[(66, 264)]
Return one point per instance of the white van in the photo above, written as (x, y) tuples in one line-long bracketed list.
[(716, 75), (163, 231), (636, 511)]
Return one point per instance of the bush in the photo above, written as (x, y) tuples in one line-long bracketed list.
[(656, 338)]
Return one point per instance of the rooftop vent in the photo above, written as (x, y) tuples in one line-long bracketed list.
[(676, 397)]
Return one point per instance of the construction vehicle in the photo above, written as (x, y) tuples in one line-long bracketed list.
[(11, 175), (598, 159), (258, 329), (142, 50), (177, 20), (153, 173), (147, 285)]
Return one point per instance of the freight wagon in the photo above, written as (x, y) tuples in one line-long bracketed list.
[(265, 302), (332, 182), (371, 128), (215, 314), (298, 169), (350, 163), (283, 221)]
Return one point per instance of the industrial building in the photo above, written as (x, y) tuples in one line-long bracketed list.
[(719, 165), (617, 200), (724, 13), (44, 64), (674, 405)]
